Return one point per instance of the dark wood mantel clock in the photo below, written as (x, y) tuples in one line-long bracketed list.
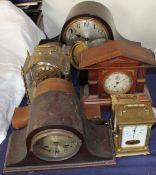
[(90, 22), (115, 67)]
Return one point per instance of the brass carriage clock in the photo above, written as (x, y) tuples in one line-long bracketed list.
[(132, 125)]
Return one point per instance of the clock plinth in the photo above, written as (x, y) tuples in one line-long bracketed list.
[(94, 104)]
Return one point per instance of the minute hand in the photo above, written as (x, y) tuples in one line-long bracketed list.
[(118, 82)]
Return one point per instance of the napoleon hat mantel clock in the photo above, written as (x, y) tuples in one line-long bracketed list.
[(89, 22), (58, 136)]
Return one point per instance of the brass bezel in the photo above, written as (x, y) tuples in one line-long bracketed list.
[(74, 57)]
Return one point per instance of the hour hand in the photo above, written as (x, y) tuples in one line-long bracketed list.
[(81, 37), (134, 131)]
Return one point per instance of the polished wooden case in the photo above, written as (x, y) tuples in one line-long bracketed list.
[(114, 56)]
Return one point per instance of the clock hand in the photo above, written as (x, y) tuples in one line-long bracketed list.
[(118, 82), (134, 131), (81, 37), (45, 148), (89, 39), (56, 147)]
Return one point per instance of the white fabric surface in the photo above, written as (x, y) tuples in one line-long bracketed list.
[(134, 19), (18, 34)]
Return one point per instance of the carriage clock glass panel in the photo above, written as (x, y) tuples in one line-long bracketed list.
[(117, 82), (134, 135), (84, 29)]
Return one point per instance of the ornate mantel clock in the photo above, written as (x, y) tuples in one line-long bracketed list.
[(132, 125), (114, 67), (47, 61)]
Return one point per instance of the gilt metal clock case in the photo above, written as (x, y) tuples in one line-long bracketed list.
[(133, 122), (45, 62)]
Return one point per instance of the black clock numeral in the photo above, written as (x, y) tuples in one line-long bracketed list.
[(86, 24), (94, 26), (71, 31), (78, 26)]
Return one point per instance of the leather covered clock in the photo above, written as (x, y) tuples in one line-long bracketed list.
[(58, 136), (114, 67)]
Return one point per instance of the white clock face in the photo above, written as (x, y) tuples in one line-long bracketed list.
[(117, 83), (134, 136), (84, 29)]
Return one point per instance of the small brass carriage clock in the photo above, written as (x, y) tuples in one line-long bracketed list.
[(133, 124)]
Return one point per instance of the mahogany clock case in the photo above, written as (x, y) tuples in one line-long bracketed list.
[(114, 57), (96, 11)]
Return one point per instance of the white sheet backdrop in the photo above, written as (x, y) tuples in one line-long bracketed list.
[(17, 35), (134, 19)]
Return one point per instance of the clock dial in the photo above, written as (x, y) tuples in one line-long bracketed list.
[(134, 136), (85, 29), (77, 48), (117, 83), (55, 145)]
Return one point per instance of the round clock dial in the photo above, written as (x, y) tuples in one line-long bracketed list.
[(117, 83), (134, 136), (77, 48), (84, 29), (55, 145)]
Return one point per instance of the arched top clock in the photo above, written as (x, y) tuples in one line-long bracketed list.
[(89, 21)]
